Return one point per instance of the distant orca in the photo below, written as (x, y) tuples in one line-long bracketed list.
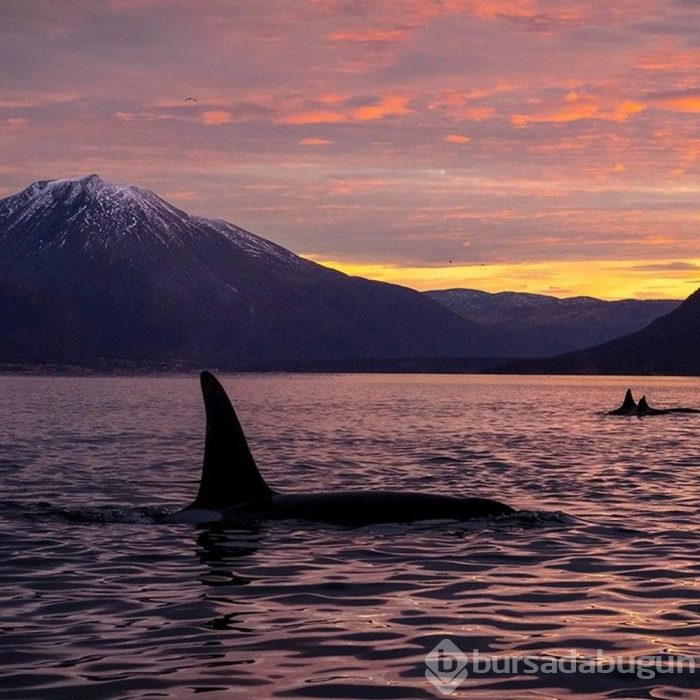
[(627, 408), (232, 487), (644, 409), (630, 408)]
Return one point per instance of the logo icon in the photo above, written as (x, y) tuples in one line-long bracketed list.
[(446, 667)]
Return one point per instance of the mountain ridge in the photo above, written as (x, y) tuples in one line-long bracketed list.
[(94, 270), (99, 274), (667, 346), (562, 325)]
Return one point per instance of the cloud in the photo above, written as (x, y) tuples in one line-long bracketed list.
[(16, 122), (215, 117), (389, 106), (456, 138), (312, 141), (182, 195), (31, 99), (688, 103), (667, 267), (316, 116), (377, 131), (372, 35), (392, 105), (575, 107)]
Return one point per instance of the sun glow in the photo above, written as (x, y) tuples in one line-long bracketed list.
[(605, 279)]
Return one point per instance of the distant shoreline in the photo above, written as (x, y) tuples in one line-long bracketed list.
[(429, 365)]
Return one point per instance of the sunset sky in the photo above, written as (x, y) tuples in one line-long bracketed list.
[(542, 146)]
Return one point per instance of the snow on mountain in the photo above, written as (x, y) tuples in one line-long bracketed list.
[(560, 324), (90, 269), (459, 300), (115, 271), (97, 216)]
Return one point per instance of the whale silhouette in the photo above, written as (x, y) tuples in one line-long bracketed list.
[(630, 408), (644, 409), (231, 486)]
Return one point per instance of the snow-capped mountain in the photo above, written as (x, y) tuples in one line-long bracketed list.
[(560, 325), (97, 217), (92, 270), (478, 301)]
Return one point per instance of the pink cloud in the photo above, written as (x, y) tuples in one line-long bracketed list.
[(17, 122), (456, 138), (575, 107), (215, 117), (312, 141)]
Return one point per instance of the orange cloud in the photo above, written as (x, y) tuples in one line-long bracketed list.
[(669, 58), (311, 141), (374, 35), (456, 138), (460, 105), (215, 117), (476, 114), (389, 106), (572, 113), (183, 195), (500, 8), (313, 117), (575, 108), (685, 103), (627, 109)]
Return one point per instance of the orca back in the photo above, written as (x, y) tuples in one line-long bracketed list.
[(643, 407), (230, 476), (628, 405)]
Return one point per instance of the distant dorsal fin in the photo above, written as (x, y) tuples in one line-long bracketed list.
[(628, 404), (229, 473), (642, 406)]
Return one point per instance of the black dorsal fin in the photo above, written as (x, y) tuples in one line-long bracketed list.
[(643, 406), (229, 473), (628, 404)]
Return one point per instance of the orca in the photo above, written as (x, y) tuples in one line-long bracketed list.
[(628, 406), (644, 409), (232, 488)]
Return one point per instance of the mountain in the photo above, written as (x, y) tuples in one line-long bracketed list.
[(91, 271), (559, 325), (669, 345)]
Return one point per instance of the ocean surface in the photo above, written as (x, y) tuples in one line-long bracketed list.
[(98, 599)]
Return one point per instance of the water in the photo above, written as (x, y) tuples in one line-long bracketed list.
[(98, 600)]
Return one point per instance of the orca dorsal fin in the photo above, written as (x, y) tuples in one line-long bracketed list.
[(643, 406), (628, 404), (229, 473)]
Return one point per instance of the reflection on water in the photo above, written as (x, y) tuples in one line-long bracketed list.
[(98, 600)]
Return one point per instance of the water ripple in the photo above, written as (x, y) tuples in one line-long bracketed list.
[(100, 599)]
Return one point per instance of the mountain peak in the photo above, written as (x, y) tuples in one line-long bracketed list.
[(87, 212), (92, 270), (91, 185), (123, 222)]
